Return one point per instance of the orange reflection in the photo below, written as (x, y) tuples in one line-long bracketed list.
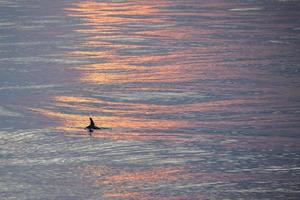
[(147, 108), (138, 115), (107, 19), (104, 12), (125, 42), (152, 175), (118, 184), (76, 121)]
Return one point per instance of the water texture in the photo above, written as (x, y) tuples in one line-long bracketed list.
[(202, 98)]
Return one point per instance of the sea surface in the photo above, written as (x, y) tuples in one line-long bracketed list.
[(201, 99)]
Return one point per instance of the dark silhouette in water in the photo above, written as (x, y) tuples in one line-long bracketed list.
[(92, 126)]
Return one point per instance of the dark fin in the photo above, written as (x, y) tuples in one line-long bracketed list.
[(92, 122)]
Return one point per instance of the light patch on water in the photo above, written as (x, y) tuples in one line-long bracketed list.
[(9, 4), (281, 168), (28, 87), (47, 21), (279, 42), (4, 24), (8, 113), (246, 9), (29, 60)]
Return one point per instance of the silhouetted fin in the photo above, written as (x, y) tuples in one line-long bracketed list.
[(92, 127), (92, 122)]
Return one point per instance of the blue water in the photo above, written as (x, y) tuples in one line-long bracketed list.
[(201, 98)]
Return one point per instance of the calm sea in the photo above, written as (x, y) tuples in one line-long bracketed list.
[(201, 97)]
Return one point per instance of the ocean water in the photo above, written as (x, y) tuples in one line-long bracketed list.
[(201, 97)]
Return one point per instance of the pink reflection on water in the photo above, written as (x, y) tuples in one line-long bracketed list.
[(118, 184), (199, 62)]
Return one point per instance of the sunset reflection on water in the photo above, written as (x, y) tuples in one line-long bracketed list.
[(190, 97), (139, 61)]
